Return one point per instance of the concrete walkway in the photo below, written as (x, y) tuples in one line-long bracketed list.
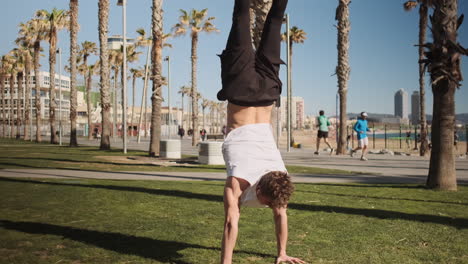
[(378, 169)]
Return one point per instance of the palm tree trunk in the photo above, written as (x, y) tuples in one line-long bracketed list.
[(423, 14), (115, 111), (73, 71), (156, 61), (2, 91), (445, 75), (52, 104), (11, 117), (37, 50), (104, 72), (27, 98), (89, 103), (182, 116), (133, 107), (196, 132), (343, 69), (19, 96)]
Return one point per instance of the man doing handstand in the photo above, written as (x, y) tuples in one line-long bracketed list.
[(256, 173)]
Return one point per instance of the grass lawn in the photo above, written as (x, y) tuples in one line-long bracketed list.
[(104, 221), (17, 154)]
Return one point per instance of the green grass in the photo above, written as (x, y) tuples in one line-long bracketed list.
[(18, 154), (104, 221)]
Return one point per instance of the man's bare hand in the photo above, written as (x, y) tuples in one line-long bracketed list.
[(288, 259)]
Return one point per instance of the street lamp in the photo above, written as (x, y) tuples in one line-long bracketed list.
[(289, 91), (169, 119), (123, 4)]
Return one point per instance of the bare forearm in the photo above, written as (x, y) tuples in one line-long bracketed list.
[(229, 242), (281, 227)]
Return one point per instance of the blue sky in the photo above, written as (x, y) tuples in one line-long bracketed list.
[(382, 56)]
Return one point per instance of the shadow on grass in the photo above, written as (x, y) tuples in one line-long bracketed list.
[(155, 249), (161, 174), (375, 213), (382, 198)]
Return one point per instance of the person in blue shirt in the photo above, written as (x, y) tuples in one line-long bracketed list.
[(361, 129)]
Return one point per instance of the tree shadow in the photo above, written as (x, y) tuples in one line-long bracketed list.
[(172, 193), (383, 198), (161, 174), (155, 249), (461, 223), (375, 213)]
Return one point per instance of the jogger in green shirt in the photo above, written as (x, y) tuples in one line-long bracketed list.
[(323, 123)]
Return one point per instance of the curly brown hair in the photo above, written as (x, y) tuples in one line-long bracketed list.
[(277, 186)]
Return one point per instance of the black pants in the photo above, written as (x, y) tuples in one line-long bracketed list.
[(249, 77)]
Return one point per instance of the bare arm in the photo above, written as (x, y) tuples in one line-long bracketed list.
[(232, 192), (281, 227)]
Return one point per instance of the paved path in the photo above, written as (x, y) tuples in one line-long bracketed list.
[(378, 169)]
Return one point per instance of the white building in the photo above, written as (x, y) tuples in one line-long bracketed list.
[(44, 83), (116, 41), (298, 116)]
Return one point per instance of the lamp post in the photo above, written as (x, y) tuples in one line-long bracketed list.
[(123, 4), (289, 93), (169, 119), (59, 51)]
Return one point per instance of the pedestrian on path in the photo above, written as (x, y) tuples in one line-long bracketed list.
[(361, 128), (323, 123)]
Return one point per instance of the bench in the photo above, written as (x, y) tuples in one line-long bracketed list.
[(215, 137)]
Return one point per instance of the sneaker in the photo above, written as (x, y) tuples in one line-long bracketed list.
[(316, 153), (364, 159), (331, 151), (351, 153)]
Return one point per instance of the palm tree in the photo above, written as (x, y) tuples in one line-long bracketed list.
[(26, 42), (183, 91), (115, 60), (205, 103), (12, 74), (296, 35), (343, 69), (74, 8), (87, 49), (424, 6), (19, 64), (132, 56), (136, 73), (57, 19), (156, 70), (197, 22), (36, 28), (3, 76), (104, 73), (91, 70), (443, 58)]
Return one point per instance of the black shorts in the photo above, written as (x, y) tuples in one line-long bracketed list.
[(322, 134)]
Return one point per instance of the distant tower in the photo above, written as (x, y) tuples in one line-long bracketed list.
[(415, 108), (401, 104)]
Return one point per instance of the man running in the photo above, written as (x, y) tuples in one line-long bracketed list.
[(256, 173), (361, 129), (323, 123)]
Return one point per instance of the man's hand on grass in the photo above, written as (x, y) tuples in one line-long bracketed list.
[(288, 259)]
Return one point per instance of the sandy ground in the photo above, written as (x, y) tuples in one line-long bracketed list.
[(307, 139)]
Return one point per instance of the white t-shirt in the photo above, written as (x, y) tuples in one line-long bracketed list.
[(250, 152)]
